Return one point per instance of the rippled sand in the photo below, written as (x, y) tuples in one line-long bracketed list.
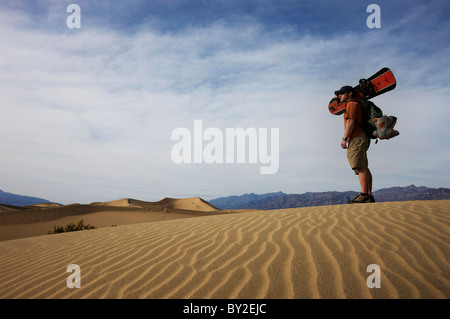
[(313, 252)]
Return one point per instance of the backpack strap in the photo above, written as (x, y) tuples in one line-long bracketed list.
[(361, 126), (345, 110)]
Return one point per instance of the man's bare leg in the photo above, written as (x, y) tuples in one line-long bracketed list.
[(365, 179)]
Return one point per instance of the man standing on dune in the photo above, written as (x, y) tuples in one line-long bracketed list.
[(356, 142)]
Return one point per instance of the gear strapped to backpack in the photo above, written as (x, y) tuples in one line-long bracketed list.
[(374, 123)]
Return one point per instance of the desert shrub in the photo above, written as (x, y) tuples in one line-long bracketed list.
[(70, 227)]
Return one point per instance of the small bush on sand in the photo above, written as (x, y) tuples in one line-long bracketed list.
[(70, 227)]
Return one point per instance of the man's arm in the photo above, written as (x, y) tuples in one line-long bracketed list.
[(349, 126)]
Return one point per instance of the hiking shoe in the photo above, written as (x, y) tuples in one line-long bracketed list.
[(362, 199)]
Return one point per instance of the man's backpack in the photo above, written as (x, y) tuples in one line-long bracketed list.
[(374, 123), (369, 112)]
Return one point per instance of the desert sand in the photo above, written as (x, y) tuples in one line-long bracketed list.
[(189, 249), (19, 222)]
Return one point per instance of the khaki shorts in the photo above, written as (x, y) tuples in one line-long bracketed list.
[(357, 152)]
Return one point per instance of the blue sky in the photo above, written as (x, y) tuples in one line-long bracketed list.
[(87, 114)]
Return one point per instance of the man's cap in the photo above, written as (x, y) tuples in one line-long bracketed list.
[(344, 89)]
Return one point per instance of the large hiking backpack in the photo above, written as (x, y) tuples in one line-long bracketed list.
[(374, 123), (369, 112)]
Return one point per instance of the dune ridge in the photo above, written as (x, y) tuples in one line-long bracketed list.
[(42, 212), (311, 252), (193, 203), (19, 222)]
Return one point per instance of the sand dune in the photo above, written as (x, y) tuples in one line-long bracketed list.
[(19, 222), (313, 252), (194, 203), (9, 208), (45, 205)]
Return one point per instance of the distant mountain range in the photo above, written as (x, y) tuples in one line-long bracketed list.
[(20, 200), (281, 200)]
